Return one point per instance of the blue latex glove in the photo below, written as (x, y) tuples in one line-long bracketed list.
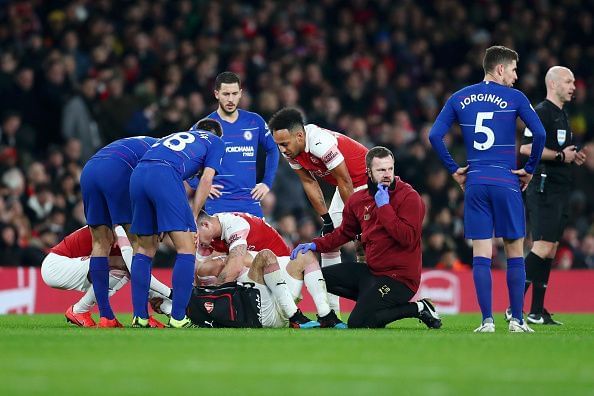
[(303, 248), (381, 196)]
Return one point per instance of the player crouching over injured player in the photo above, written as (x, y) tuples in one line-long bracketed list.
[(279, 281), (389, 217), (66, 267)]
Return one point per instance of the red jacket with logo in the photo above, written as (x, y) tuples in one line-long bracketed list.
[(391, 234)]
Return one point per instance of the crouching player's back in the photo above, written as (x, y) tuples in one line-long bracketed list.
[(160, 205)]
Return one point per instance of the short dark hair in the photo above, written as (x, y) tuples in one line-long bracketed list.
[(377, 152), (202, 215), (288, 118), (227, 77), (210, 125), (498, 55)]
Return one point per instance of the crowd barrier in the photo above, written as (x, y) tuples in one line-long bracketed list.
[(22, 291)]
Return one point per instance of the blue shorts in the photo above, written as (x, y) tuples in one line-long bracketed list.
[(493, 210), (105, 191), (219, 205), (159, 201)]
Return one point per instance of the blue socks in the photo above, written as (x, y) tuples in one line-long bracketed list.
[(516, 277), (99, 273), (182, 282), (140, 277), (481, 272)]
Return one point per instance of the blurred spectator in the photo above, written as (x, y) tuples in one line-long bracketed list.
[(79, 119), (40, 204), (76, 75), (10, 252)]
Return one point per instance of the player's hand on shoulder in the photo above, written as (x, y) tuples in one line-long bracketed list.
[(215, 191), (460, 176), (303, 248), (524, 176), (259, 191)]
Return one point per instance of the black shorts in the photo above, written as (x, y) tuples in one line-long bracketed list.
[(548, 212), (380, 299)]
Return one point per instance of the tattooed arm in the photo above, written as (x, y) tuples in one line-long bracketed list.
[(234, 264)]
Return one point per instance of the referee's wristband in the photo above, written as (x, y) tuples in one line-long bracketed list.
[(560, 156)]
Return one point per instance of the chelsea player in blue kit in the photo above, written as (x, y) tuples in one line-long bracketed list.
[(104, 183), (235, 188), (160, 205), (486, 113)]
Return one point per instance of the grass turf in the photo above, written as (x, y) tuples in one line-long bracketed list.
[(41, 354)]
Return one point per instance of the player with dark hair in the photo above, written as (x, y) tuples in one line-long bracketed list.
[(389, 217), (160, 205), (210, 125), (313, 151), (241, 234), (486, 113), (547, 197), (235, 189), (104, 184)]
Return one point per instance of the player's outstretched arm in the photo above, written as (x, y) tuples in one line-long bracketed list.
[(203, 190), (313, 191), (234, 264), (343, 178)]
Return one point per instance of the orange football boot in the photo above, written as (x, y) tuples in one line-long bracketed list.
[(79, 319), (154, 323), (107, 323)]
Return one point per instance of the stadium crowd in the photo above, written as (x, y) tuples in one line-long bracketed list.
[(76, 75)]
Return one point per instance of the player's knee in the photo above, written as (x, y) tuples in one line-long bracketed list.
[(359, 320), (266, 257)]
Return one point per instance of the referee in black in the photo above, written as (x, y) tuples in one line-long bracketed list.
[(547, 195)]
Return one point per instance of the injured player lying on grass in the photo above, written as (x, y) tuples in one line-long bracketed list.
[(279, 281), (66, 267)]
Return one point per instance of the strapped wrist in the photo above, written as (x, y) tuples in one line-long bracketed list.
[(326, 218)]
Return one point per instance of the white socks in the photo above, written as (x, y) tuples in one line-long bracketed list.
[(316, 285), (277, 285), (117, 280), (329, 259)]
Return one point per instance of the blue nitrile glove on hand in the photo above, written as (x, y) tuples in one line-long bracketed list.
[(381, 196), (303, 248)]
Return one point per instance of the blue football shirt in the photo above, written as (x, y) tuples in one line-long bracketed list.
[(129, 150), (188, 152), (238, 170), (487, 113)]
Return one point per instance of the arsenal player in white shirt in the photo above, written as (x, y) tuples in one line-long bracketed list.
[(332, 156)]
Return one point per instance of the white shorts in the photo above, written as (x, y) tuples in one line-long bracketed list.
[(66, 273), (272, 315), (337, 206)]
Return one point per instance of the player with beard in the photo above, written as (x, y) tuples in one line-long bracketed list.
[(317, 152), (235, 189), (389, 217), (240, 234)]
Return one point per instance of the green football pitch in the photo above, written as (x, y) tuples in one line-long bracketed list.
[(41, 354)]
